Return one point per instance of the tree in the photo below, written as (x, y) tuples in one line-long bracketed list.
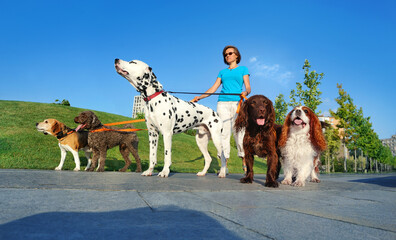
[(310, 96), (64, 102), (280, 107), (345, 113), (333, 146), (358, 132), (364, 134)]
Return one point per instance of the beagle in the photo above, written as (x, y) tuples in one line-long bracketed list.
[(68, 140)]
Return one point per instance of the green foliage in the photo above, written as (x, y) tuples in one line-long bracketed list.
[(333, 147), (280, 107), (64, 102), (310, 96), (358, 132), (23, 147), (190, 132), (140, 116)]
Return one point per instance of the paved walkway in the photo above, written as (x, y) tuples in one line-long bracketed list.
[(111, 205)]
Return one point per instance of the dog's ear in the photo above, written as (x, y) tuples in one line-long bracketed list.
[(285, 130), (62, 126), (242, 119), (153, 80), (56, 128), (270, 113), (153, 77), (316, 134), (95, 121), (151, 74)]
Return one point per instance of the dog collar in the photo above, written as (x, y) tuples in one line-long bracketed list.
[(146, 99), (67, 134)]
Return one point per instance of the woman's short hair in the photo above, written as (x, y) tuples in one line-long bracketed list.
[(236, 52)]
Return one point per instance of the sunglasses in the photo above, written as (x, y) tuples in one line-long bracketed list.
[(228, 54)]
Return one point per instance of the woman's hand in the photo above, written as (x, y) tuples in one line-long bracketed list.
[(196, 99), (245, 93)]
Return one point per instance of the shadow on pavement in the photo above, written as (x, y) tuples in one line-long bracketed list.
[(381, 181), (141, 223)]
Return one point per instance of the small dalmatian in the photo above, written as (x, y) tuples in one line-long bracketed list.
[(168, 115)]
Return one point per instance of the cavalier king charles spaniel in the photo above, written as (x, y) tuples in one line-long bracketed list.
[(301, 143)]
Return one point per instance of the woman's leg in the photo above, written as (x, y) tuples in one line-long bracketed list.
[(238, 137)]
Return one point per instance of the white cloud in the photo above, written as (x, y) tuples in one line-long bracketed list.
[(252, 59), (272, 72)]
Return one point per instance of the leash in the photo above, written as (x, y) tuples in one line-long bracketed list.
[(103, 129), (116, 130), (243, 97), (124, 122), (235, 94)]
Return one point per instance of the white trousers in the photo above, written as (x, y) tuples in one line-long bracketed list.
[(227, 113)]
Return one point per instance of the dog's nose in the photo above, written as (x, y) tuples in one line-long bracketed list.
[(36, 124), (116, 60), (298, 112)]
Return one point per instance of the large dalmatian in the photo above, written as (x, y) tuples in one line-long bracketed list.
[(167, 114)]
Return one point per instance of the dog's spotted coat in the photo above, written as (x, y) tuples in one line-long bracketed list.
[(168, 115)]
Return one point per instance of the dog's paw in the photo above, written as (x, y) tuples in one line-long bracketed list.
[(298, 183), (147, 173), (222, 173), (272, 184), (201, 174), (315, 180), (100, 169), (246, 180), (91, 169), (286, 181), (164, 173), (76, 169), (58, 168)]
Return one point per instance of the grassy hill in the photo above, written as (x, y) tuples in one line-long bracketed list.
[(23, 147)]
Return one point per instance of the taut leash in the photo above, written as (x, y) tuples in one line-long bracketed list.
[(243, 97), (235, 94), (103, 129), (124, 122)]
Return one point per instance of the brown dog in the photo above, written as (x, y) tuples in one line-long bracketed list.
[(257, 116), (68, 141), (103, 140)]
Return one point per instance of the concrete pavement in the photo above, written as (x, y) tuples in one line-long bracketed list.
[(39, 204)]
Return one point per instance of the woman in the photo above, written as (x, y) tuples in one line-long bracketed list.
[(232, 78)]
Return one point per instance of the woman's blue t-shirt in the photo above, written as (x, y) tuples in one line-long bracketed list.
[(232, 81)]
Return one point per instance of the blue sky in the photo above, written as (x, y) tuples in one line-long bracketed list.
[(66, 49)]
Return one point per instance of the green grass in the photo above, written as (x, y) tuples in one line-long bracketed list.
[(23, 147)]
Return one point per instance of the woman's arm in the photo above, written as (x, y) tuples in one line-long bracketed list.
[(212, 89), (246, 81)]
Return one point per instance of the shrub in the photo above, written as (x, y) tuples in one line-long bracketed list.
[(64, 102)]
